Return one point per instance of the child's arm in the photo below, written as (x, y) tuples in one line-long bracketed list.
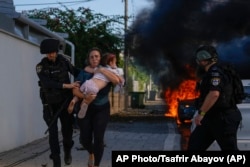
[(120, 73), (121, 80), (109, 74)]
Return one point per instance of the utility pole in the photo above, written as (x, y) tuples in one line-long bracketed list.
[(126, 15), (126, 54)]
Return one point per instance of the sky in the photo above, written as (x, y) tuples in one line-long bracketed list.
[(106, 7)]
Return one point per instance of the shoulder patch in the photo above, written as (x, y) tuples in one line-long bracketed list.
[(215, 81), (215, 74), (39, 68)]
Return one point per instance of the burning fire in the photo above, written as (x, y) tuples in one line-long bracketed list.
[(185, 91)]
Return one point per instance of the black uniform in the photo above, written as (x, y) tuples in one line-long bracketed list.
[(52, 75), (221, 122)]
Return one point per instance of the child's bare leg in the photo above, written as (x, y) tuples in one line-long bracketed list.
[(72, 104), (84, 107), (83, 110)]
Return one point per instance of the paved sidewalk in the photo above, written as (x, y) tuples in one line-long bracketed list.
[(127, 135)]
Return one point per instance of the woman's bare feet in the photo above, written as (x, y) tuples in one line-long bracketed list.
[(91, 160)]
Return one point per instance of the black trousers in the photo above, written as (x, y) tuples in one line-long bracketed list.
[(221, 127), (92, 130), (66, 120)]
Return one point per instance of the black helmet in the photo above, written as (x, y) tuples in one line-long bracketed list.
[(49, 45), (206, 53)]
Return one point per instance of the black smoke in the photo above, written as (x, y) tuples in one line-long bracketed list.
[(163, 39)]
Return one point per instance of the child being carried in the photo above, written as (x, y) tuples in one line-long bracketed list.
[(96, 83)]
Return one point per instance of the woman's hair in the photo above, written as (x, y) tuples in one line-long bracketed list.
[(107, 58), (92, 49)]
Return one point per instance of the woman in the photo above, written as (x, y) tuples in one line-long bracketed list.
[(93, 125)]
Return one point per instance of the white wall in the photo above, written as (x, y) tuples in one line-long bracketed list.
[(20, 107)]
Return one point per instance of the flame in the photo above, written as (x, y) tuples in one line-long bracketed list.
[(185, 91)]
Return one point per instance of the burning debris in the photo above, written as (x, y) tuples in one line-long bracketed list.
[(185, 91)]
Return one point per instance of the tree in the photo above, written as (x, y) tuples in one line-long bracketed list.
[(85, 28), (139, 74)]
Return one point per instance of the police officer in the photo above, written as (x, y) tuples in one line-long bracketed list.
[(218, 119), (55, 92)]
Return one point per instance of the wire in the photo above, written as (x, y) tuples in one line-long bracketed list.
[(55, 3)]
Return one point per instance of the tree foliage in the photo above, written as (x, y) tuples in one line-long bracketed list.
[(138, 74), (85, 28)]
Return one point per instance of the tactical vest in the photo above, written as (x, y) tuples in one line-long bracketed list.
[(58, 72)]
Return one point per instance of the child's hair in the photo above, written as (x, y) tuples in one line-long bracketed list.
[(107, 58)]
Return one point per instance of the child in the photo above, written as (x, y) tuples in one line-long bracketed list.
[(96, 83)]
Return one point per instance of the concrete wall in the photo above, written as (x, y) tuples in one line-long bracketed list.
[(21, 110)]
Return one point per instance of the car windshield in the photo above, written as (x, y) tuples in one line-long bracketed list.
[(247, 91)]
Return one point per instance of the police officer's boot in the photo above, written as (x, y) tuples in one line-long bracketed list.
[(56, 160), (67, 155)]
